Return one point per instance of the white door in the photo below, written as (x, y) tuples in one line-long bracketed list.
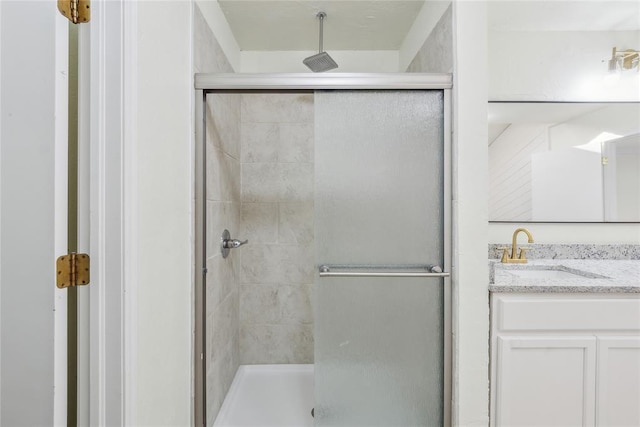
[(618, 382), (33, 189), (545, 381)]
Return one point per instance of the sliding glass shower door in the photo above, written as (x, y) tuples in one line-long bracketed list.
[(380, 252)]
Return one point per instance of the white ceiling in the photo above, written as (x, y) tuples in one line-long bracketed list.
[(292, 24), (383, 24)]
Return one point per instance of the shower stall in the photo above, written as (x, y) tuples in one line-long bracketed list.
[(323, 244)]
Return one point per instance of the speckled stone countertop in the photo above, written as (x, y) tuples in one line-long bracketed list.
[(603, 276), (576, 251)]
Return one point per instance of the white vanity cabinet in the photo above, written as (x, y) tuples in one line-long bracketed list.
[(565, 359)]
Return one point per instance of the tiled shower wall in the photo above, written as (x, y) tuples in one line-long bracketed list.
[(276, 267), (223, 211), (258, 307), (436, 54)]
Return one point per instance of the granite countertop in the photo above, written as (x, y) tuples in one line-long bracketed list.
[(603, 276)]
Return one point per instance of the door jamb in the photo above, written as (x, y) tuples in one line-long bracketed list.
[(107, 230)]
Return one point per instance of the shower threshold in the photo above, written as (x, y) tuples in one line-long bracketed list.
[(269, 396)]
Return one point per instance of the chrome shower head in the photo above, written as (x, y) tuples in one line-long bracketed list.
[(321, 61)]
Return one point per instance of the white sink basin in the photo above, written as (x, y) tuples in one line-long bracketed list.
[(547, 274)]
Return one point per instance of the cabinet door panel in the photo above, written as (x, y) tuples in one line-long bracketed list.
[(618, 393), (544, 381)]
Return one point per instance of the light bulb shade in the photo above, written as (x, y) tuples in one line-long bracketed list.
[(630, 61), (623, 60)]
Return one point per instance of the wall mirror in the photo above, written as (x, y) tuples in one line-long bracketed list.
[(564, 162)]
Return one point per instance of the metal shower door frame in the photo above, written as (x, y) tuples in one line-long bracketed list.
[(238, 83)]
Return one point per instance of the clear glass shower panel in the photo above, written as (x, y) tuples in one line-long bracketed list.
[(379, 208)]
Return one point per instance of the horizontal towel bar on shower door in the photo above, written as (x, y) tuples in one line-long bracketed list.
[(381, 271)]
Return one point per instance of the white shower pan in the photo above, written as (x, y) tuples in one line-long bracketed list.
[(269, 396)]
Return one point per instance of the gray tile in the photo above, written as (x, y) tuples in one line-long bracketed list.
[(296, 182), (222, 325), (277, 108), (260, 182), (223, 176), (259, 142), (277, 264), (255, 108), (223, 123), (215, 397), (296, 143), (229, 366), (259, 222), (212, 132), (296, 303), (208, 56), (221, 280), (276, 304), (260, 304), (298, 108), (219, 377), (272, 344), (296, 223), (436, 54)]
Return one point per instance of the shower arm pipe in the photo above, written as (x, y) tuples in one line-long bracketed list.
[(321, 16)]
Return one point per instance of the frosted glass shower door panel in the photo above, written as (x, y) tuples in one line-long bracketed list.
[(379, 207)]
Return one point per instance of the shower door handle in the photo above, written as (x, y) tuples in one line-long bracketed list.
[(381, 271)]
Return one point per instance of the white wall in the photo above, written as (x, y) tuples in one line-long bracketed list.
[(566, 185), (470, 190), (349, 61), (559, 66), (164, 90)]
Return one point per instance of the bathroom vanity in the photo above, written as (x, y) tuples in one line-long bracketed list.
[(565, 343)]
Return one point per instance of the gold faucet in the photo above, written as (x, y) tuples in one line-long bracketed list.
[(515, 257)]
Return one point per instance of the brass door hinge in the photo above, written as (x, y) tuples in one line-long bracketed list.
[(72, 270), (76, 11), (605, 161)]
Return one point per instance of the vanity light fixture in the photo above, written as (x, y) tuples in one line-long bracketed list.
[(622, 60)]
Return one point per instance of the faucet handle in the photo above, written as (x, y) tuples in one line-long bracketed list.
[(505, 253), (227, 243), (523, 253), (231, 244)]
